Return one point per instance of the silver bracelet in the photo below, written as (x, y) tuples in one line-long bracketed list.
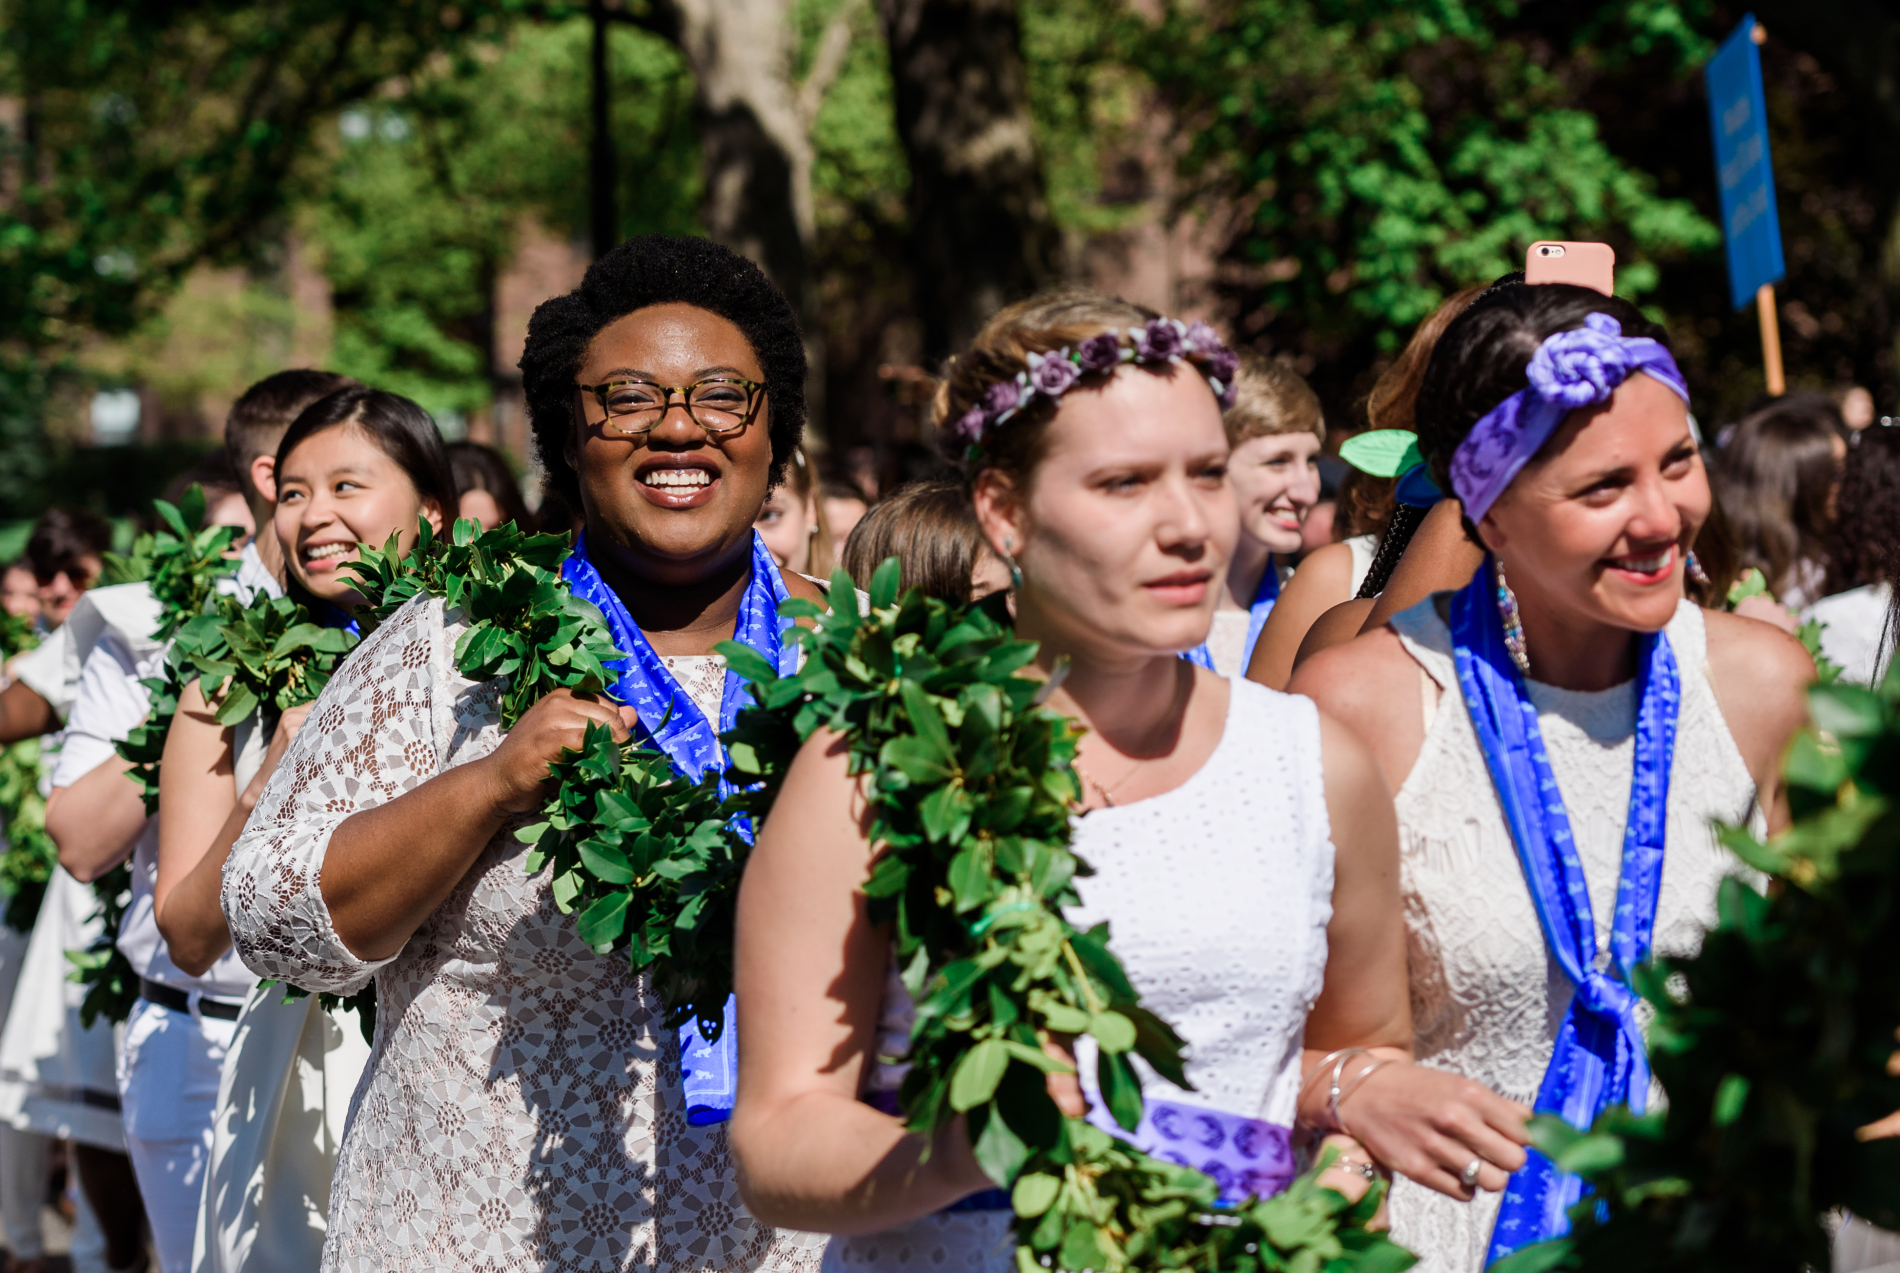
[(1332, 1095), (1359, 1081)]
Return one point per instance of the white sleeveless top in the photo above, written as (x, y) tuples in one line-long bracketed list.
[(1487, 998), (1235, 968)]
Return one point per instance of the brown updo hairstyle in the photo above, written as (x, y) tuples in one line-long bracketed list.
[(1048, 321), (931, 529)]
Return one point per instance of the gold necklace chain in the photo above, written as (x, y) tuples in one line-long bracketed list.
[(1108, 793)]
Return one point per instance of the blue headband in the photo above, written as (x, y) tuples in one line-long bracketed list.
[(1569, 370)]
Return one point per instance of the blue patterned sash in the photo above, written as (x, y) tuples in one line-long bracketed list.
[(1263, 598), (1600, 1058), (675, 725)]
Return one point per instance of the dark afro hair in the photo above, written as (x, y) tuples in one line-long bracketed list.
[(657, 269)]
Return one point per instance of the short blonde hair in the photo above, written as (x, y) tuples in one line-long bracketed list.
[(1271, 398)]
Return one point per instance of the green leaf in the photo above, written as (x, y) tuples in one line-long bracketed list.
[(606, 862), (1121, 1090), (1539, 1258), (999, 1151), (1846, 711), (885, 581), (1382, 452), (1034, 1192), (1731, 1097), (1113, 1031), (977, 1074), (603, 923)]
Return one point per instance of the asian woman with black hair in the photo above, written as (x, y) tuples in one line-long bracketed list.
[(524, 1105)]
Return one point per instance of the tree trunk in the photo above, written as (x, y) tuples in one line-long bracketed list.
[(601, 173), (757, 155), (980, 234)]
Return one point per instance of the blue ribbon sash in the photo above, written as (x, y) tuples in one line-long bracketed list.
[(1600, 1058), (673, 723), (1263, 598)]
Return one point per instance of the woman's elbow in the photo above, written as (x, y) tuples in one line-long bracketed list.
[(80, 860), (191, 949)]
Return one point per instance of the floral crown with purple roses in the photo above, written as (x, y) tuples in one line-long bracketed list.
[(1050, 375), (1570, 369)]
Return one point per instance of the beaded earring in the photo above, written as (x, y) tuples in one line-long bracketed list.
[(1696, 572), (1015, 573), (1513, 624)]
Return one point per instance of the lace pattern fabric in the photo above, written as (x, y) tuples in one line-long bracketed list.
[(1235, 969), (1487, 999), (521, 1109)]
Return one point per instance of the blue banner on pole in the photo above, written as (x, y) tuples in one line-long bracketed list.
[(1738, 115)]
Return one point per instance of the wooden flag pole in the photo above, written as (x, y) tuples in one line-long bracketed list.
[(1770, 339)]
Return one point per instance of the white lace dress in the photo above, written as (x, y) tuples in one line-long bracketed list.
[(1487, 999), (521, 1109), (1234, 968)]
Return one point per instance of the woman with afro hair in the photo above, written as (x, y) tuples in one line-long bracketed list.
[(524, 1106)]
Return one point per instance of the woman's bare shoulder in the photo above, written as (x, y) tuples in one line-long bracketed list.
[(1328, 566), (1760, 674), (1363, 669)]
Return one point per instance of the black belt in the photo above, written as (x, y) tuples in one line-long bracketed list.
[(179, 1001)]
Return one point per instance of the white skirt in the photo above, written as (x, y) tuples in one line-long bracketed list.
[(56, 1077), (289, 1080)]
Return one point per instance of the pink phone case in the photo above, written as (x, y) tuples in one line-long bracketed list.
[(1561, 261)]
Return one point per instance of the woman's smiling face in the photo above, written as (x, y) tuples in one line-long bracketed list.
[(677, 502), (337, 491)]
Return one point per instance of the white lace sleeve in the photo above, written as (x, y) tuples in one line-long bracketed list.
[(371, 736)]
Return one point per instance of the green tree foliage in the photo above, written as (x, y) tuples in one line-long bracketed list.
[(1397, 151), (416, 200)]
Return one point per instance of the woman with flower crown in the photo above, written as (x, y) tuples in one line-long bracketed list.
[(1242, 844), (524, 1106), (1561, 732)]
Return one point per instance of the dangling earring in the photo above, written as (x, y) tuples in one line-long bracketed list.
[(1513, 624), (1696, 572), (1015, 572)]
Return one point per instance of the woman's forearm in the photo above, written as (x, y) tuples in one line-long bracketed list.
[(825, 1163), (190, 918), (388, 868), (96, 821), (24, 713)]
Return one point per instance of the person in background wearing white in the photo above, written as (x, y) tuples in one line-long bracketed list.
[(175, 1040), (1276, 429), (1862, 563)]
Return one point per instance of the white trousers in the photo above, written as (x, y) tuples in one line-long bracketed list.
[(168, 1080)]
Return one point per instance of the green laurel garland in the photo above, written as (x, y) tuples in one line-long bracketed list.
[(26, 866), (971, 786), (182, 563), (1772, 1044)]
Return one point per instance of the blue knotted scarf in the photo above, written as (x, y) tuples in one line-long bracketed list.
[(1263, 598), (1600, 1057), (674, 724)]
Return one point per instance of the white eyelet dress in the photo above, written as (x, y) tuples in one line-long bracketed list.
[(1487, 999), (1217, 896)]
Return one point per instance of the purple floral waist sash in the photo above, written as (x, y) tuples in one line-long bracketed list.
[(1247, 1157)]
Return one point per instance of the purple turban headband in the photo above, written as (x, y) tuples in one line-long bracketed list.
[(1569, 370)]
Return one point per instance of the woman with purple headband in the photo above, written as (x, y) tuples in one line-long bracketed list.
[(1560, 732), (1243, 844)]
